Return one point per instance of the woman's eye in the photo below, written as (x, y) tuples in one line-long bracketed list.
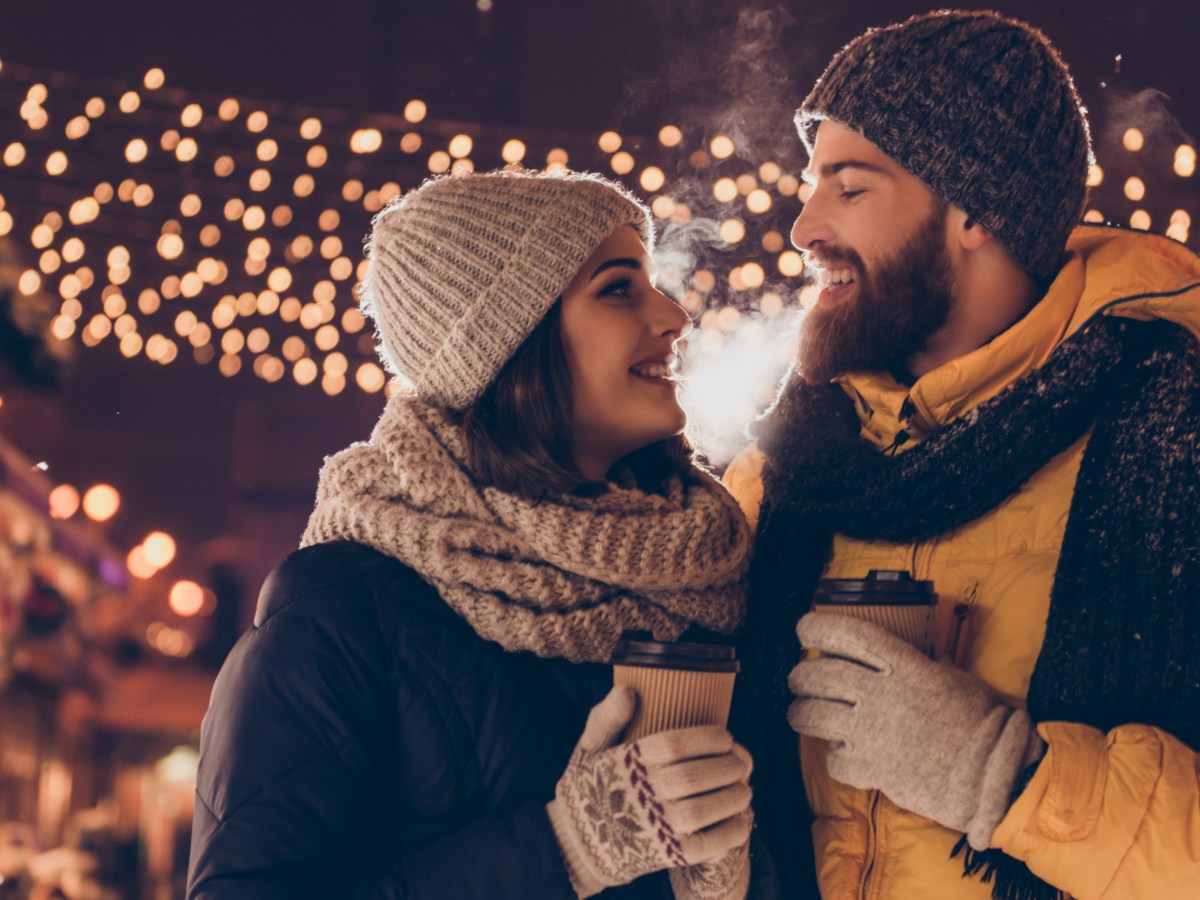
[(850, 195), (619, 288)]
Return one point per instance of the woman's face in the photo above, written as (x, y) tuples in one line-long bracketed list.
[(619, 334)]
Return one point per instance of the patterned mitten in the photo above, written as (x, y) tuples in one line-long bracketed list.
[(934, 739), (726, 878), (671, 799)]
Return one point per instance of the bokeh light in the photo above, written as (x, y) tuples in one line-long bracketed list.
[(138, 565), (186, 598), (101, 502), (64, 501), (159, 548)]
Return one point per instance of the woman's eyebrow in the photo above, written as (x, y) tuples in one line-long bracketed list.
[(626, 262)]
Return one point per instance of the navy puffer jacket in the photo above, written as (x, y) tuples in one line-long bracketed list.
[(363, 741)]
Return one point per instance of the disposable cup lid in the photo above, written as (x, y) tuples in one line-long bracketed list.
[(636, 649), (884, 586)]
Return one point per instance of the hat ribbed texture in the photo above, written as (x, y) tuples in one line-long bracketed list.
[(979, 107), (463, 268)]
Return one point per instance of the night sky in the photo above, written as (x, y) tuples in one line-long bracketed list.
[(229, 465)]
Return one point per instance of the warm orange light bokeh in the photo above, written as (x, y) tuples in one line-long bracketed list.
[(138, 565), (159, 549), (64, 502), (101, 502), (186, 598)]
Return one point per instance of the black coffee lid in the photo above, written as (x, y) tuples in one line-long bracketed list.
[(639, 648), (897, 586)]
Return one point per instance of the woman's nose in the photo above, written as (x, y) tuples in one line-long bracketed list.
[(670, 316)]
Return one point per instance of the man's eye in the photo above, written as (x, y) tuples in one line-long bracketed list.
[(850, 195)]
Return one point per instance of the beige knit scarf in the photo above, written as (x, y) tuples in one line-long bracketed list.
[(562, 577)]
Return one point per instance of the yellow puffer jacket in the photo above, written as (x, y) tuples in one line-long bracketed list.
[(1105, 816)]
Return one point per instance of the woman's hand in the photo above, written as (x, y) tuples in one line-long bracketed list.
[(669, 800), (725, 878)]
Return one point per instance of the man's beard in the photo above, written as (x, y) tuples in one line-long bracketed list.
[(892, 315)]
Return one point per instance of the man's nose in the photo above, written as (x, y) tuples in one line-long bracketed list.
[(812, 225)]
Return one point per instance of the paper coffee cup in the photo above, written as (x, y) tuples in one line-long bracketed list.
[(890, 598), (679, 684)]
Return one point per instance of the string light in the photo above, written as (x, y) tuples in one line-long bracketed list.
[(414, 111), (732, 231), (285, 245), (609, 142), (1133, 140), (670, 136), (721, 146), (186, 598), (101, 502), (1185, 161), (758, 201), (622, 163), (724, 189), (652, 178)]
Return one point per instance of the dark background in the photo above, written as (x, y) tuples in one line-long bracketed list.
[(581, 64)]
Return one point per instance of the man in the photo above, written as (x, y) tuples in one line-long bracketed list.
[(1006, 403)]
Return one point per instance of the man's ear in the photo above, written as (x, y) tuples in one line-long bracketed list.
[(972, 235)]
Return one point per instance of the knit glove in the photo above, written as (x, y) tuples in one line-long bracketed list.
[(933, 738), (726, 878), (675, 798)]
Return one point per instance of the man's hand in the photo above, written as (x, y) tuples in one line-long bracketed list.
[(933, 738)]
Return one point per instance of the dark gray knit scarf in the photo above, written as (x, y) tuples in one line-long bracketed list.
[(1124, 620)]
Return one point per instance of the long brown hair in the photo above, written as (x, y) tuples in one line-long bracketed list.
[(518, 433)]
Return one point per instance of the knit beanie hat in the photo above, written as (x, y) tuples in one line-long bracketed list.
[(463, 268), (979, 107)]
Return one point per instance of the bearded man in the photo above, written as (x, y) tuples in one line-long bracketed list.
[(1004, 402)]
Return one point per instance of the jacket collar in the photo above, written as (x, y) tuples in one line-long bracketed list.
[(1108, 271)]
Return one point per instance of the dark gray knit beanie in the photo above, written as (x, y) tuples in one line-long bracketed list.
[(982, 109)]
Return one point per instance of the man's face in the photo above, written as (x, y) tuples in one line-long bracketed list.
[(875, 241)]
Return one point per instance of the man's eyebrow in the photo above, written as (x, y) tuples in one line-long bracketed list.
[(626, 262), (830, 169)]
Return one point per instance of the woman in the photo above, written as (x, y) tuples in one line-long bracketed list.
[(405, 717)]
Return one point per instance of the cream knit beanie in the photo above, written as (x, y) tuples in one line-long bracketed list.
[(463, 268)]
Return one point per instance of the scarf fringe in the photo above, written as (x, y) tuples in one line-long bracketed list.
[(1009, 877)]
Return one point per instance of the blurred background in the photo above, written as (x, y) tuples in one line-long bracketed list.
[(184, 192)]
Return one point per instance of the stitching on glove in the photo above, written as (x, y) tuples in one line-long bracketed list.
[(614, 837), (718, 879), (638, 777)]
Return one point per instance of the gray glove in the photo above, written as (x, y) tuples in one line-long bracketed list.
[(933, 738)]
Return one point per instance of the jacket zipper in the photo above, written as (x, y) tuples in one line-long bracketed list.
[(962, 613), (872, 850), (906, 411)]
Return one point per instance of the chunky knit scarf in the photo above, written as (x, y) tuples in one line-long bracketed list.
[(1124, 619), (561, 577)]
